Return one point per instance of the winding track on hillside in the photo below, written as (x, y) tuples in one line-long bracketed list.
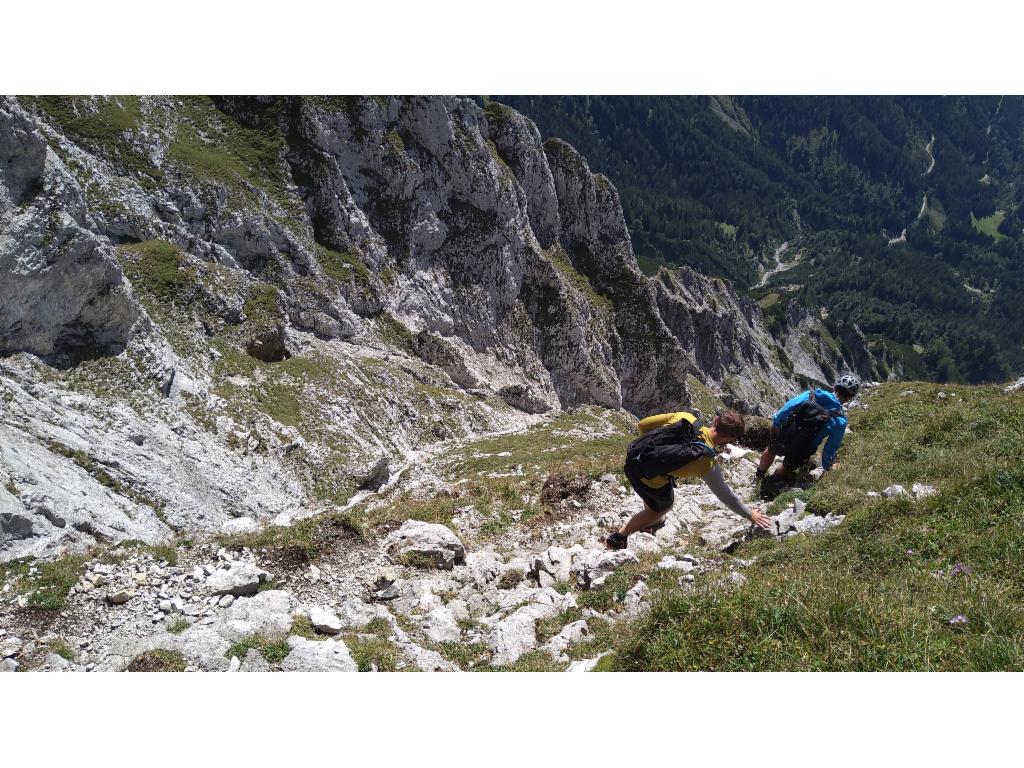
[(780, 265)]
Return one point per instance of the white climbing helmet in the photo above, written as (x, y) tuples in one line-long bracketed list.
[(848, 382)]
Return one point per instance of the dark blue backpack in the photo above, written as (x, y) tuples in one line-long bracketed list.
[(804, 424)]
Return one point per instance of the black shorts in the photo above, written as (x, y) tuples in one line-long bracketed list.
[(658, 499), (795, 456)]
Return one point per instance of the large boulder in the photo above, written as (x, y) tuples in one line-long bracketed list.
[(318, 656), (237, 579), (324, 620), (426, 545), (516, 634), (269, 613)]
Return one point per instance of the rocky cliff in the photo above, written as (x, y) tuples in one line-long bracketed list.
[(218, 313)]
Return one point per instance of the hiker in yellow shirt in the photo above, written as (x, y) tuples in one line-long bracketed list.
[(674, 445)]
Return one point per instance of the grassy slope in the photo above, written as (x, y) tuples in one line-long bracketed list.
[(878, 592)]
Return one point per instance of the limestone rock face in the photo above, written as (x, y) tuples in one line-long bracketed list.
[(62, 290), (519, 144)]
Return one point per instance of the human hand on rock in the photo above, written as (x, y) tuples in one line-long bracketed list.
[(760, 519)]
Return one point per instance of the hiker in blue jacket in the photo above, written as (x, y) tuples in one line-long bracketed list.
[(803, 423)]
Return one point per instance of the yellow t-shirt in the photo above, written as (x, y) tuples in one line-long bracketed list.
[(694, 469)]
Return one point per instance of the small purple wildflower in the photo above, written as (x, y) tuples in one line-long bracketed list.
[(910, 553), (959, 569), (958, 619)]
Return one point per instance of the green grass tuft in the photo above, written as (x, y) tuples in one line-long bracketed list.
[(263, 307), (342, 265), (372, 651), (159, 269), (273, 649), (62, 649), (178, 626), (48, 589)]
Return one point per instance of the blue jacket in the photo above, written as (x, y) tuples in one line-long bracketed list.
[(834, 430)]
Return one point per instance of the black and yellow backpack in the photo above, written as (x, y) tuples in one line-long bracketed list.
[(668, 448)]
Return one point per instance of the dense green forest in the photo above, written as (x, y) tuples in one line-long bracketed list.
[(719, 183)]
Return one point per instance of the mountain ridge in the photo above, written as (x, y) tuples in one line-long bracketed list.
[(906, 208)]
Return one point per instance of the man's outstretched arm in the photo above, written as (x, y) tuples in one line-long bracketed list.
[(725, 494)]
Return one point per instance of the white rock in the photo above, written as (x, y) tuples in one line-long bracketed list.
[(459, 609), (510, 638), (353, 613), (733, 452), (639, 543), (921, 491), (555, 563), (1018, 384), (254, 662), (724, 533), (895, 490), (318, 656), (425, 544), (56, 662), (594, 569), (813, 524), (586, 665), (570, 635), (440, 626), (634, 602), (786, 520), (269, 613), (516, 634), (9, 665), (670, 563), (237, 579), (325, 620), (10, 646)]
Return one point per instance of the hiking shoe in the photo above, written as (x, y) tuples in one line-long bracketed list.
[(615, 541), (653, 529)]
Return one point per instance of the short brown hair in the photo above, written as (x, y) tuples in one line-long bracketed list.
[(730, 423)]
